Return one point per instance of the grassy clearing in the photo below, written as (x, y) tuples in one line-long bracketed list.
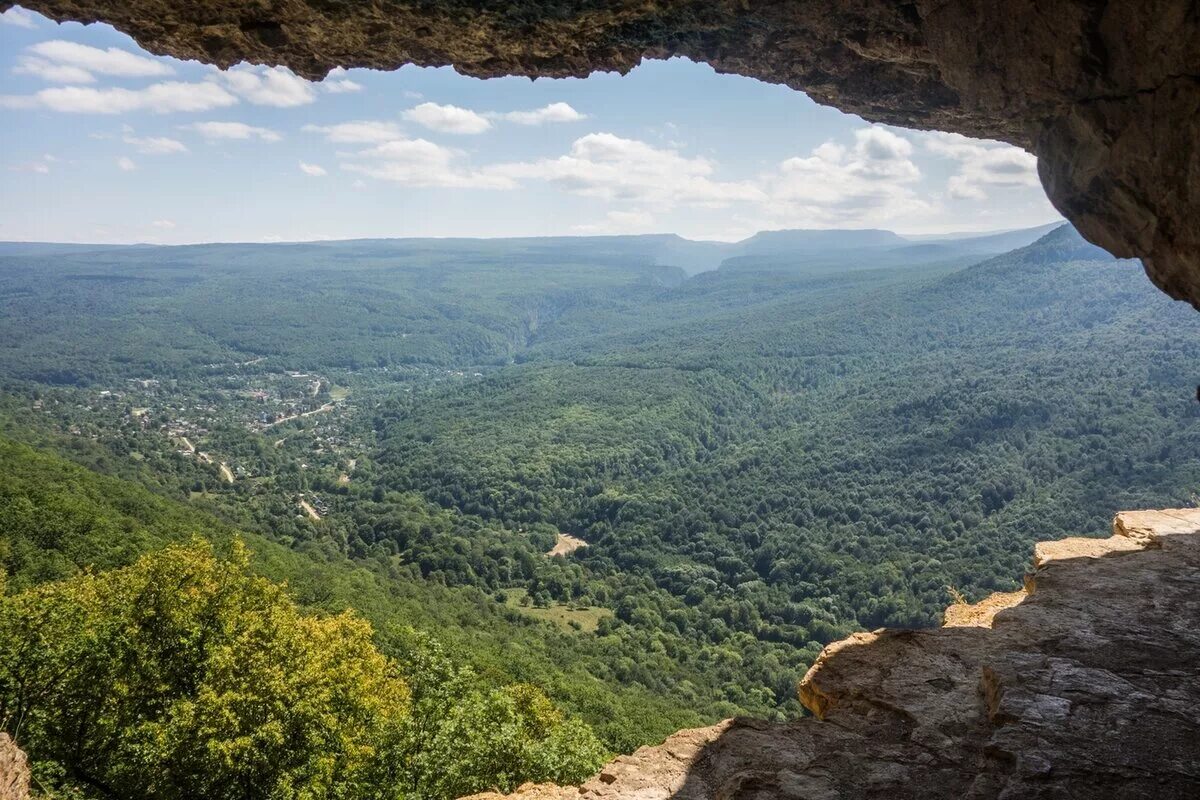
[(562, 615)]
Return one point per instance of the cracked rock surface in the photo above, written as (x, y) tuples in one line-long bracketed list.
[(14, 770), (1089, 687), (1107, 94)]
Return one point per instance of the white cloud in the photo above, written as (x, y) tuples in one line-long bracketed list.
[(164, 224), (982, 164), (160, 98), (358, 132), (867, 183), (155, 145), (269, 86), (313, 170), (336, 82), (554, 112), (213, 131), (881, 144), (610, 167), (19, 17), (880, 154), (51, 72), (39, 165), (419, 162), (112, 61), (447, 119), (999, 167), (962, 188), (125, 164)]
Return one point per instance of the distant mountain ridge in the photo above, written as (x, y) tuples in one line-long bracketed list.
[(819, 240), (1061, 244), (789, 250)]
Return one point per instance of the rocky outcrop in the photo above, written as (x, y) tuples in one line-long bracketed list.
[(1086, 685), (14, 770), (1106, 93)]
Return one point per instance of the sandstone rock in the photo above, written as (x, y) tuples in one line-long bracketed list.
[(1084, 686), (981, 614), (1107, 94), (14, 770)]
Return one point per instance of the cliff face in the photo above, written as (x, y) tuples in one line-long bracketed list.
[(1085, 685), (1107, 94)]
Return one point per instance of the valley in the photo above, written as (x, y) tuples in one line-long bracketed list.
[(653, 490)]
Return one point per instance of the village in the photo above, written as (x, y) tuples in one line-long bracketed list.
[(248, 427), (234, 423)]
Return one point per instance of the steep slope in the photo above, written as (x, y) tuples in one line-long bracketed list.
[(1085, 688), (1061, 244), (57, 518)]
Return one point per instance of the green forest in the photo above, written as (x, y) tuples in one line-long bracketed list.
[(236, 475)]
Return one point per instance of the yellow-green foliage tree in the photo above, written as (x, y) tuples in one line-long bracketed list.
[(502, 738), (185, 676)]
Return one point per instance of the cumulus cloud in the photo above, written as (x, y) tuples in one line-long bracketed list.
[(358, 132), (214, 131), (18, 17), (983, 164), (160, 98), (268, 86), (867, 182), (447, 119), (611, 167), (155, 145), (336, 82), (125, 164), (60, 61), (313, 170), (51, 72), (421, 163), (163, 224), (84, 58), (554, 112)]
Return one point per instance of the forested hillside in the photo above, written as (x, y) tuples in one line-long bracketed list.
[(760, 458)]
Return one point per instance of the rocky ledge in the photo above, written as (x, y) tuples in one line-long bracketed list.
[(1084, 685), (1106, 93)]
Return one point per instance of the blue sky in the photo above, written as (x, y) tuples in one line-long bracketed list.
[(102, 142)]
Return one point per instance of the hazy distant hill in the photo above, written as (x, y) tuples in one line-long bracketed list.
[(817, 241), (838, 251), (1060, 244), (785, 250)]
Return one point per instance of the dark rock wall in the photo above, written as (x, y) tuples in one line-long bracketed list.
[(1107, 94)]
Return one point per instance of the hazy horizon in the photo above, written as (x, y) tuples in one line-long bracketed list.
[(913, 238)]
